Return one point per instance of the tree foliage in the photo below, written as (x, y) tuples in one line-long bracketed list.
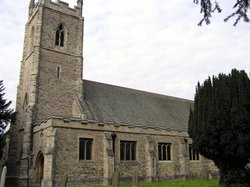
[(207, 8), (6, 115), (219, 124)]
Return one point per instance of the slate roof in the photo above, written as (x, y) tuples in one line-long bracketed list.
[(119, 105)]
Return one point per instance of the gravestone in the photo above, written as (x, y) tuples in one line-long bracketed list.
[(63, 181), (135, 179), (3, 176), (116, 179)]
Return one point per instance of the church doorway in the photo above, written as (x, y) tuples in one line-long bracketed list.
[(39, 169)]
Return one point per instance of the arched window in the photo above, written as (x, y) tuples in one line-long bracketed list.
[(60, 36), (85, 148), (164, 151), (127, 150)]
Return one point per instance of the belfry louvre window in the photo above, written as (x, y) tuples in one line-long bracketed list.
[(60, 36), (164, 151), (85, 148), (127, 150), (193, 155)]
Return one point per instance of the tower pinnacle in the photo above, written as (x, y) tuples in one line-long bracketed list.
[(79, 4), (32, 4)]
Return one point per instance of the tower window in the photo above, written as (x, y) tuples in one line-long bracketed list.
[(60, 36), (85, 148)]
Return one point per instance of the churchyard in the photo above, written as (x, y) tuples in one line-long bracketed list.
[(186, 183)]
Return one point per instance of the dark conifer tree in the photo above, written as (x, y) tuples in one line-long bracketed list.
[(219, 125), (6, 115)]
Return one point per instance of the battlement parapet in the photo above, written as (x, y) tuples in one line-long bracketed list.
[(59, 6)]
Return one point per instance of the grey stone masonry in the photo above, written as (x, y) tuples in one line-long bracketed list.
[(89, 131), (50, 79)]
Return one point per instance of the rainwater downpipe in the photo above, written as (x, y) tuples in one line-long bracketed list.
[(113, 136)]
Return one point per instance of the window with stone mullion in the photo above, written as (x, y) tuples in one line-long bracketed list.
[(60, 36), (85, 149), (127, 150), (164, 151), (193, 155)]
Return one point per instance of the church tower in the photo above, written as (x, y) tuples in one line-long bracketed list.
[(50, 81)]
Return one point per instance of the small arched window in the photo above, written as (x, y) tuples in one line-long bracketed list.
[(60, 36)]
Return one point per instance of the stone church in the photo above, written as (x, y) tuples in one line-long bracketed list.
[(85, 129)]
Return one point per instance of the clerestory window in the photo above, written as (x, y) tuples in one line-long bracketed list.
[(127, 150), (60, 36), (85, 148), (164, 151), (193, 155)]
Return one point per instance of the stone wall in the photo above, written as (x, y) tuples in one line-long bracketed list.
[(101, 167), (57, 97), (67, 152)]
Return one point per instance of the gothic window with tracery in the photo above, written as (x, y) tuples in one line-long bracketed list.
[(60, 36)]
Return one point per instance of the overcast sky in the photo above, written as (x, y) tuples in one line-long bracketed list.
[(151, 45)]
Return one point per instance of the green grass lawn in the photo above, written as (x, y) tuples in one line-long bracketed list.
[(188, 183)]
